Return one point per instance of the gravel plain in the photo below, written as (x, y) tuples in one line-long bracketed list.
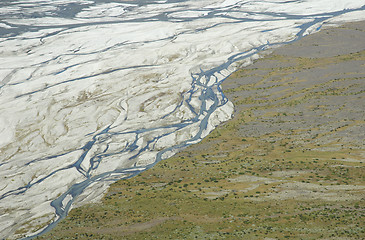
[(288, 165)]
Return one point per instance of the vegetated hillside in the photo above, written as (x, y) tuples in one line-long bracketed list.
[(290, 164)]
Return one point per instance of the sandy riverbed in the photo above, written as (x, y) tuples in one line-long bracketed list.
[(289, 164)]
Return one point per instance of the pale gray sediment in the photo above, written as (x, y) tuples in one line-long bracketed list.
[(94, 153), (289, 161)]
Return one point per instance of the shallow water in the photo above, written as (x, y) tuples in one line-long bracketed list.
[(96, 91)]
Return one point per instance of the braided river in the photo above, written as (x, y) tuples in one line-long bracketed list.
[(94, 91)]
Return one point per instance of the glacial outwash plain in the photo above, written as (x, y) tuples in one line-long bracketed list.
[(289, 165)]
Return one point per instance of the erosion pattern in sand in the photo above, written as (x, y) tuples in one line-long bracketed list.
[(95, 91), (290, 164)]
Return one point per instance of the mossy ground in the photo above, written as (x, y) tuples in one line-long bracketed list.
[(289, 165)]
